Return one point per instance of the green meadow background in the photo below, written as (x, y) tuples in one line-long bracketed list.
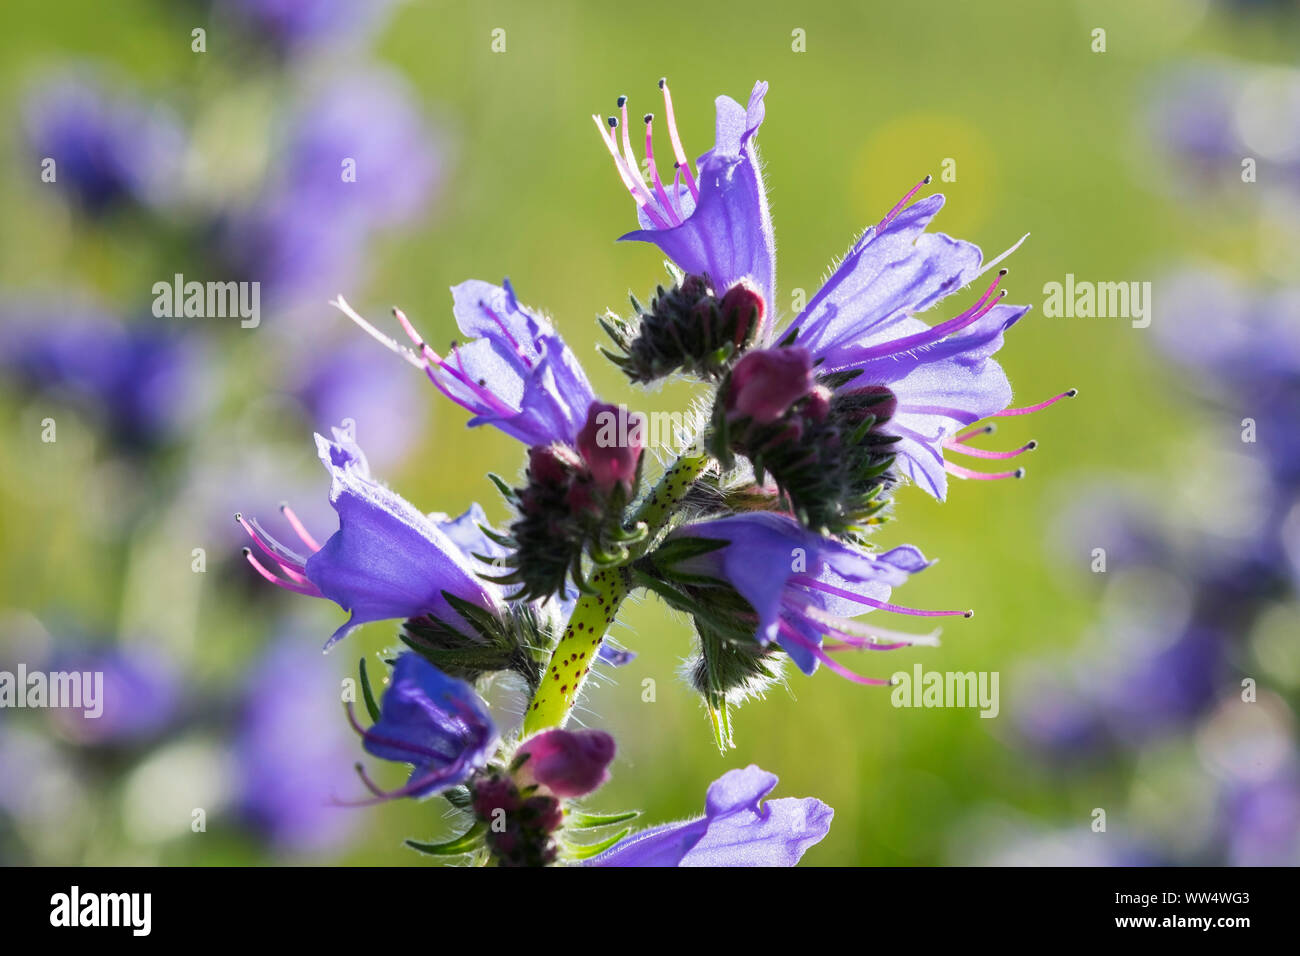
[(1047, 137)]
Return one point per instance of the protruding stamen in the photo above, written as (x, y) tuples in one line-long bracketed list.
[(961, 472), (1014, 247), (815, 649), (654, 169), (298, 527), (966, 436), (964, 449), (432, 360), (939, 332), (679, 153), (611, 144), (901, 203), (386, 341), (1068, 393), (816, 585), (288, 563), (628, 169), (869, 633), (277, 581)]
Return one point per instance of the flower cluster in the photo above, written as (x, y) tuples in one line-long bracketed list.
[(759, 530)]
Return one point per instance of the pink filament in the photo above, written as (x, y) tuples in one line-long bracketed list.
[(964, 449), (901, 203), (961, 472), (679, 153), (814, 584), (966, 436), (299, 529), (1028, 409), (433, 360), (829, 661), (941, 331), (654, 169), (279, 582)]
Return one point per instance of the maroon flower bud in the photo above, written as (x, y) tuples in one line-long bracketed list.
[(551, 465), (495, 793), (765, 383), (541, 814), (568, 763), (742, 309), (611, 444)]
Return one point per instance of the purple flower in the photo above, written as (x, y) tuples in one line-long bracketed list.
[(716, 224), (1242, 345), (943, 377), (139, 698), (436, 723), (144, 384), (568, 763), (107, 151), (387, 560), (293, 755), (804, 587), (516, 374), (1262, 819), (861, 324), (292, 25), (339, 382), (737, 829), (357, 156)]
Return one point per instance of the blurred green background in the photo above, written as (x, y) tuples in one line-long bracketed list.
[(1047, 137)]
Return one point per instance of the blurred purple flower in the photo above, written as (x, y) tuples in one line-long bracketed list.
[(292, 26), (1214, 116), (358, 156), (433, 722), (737, 829), (1242, 343), (1262, 820), (108, 149), (141, 693), (145, 383), (294, 755), (340, 382)]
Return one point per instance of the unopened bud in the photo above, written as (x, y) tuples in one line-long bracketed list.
[(765, 383), (568, 763), (611, 445), (742, 310)]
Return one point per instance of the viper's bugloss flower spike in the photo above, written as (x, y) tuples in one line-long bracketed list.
[(738, 828), (433, 722), (387, 560), (714, 221), (517, 374), (568, 763)]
